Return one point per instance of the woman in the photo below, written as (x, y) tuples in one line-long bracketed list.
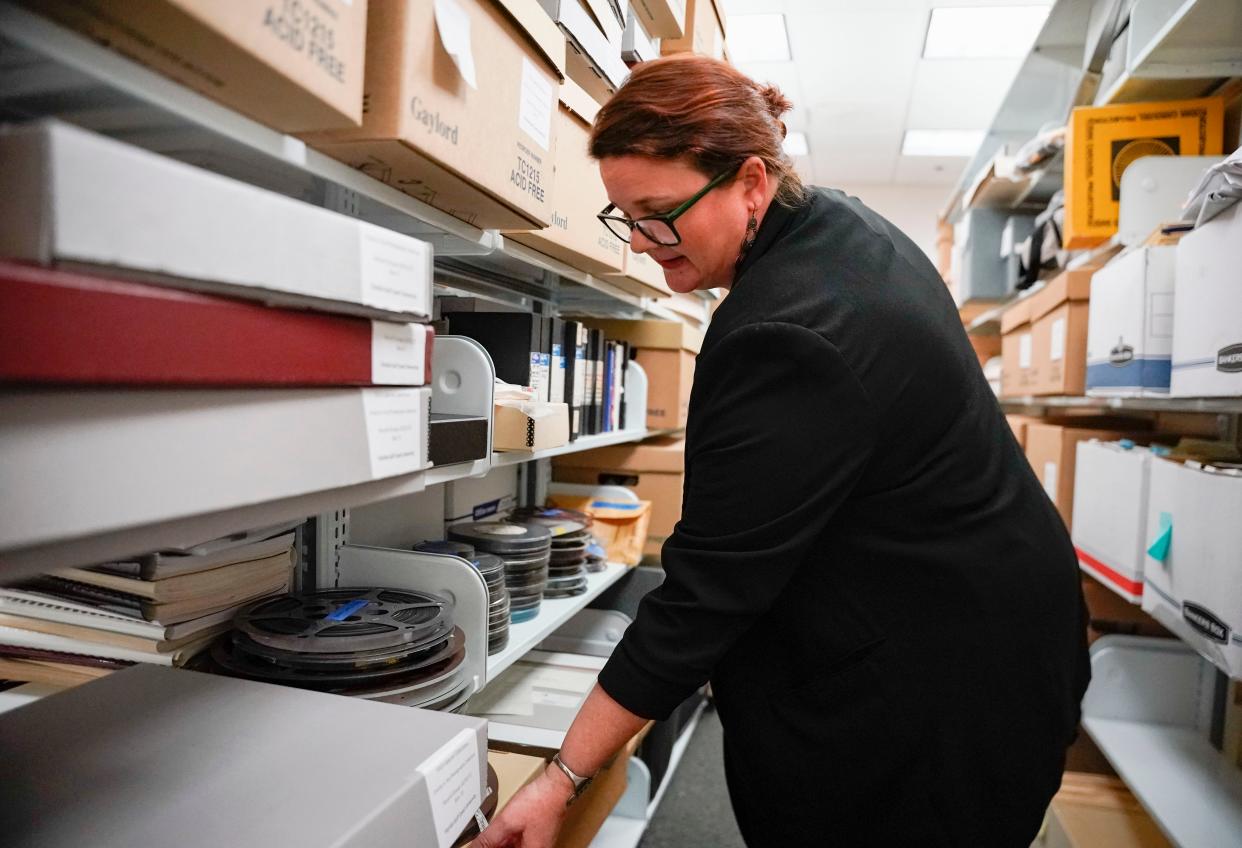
[(884, 600)]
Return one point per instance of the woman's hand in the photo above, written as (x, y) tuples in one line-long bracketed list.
[(533, 817)]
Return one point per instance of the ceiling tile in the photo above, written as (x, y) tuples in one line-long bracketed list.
[(853, 157), (928, 170), (958, 94)]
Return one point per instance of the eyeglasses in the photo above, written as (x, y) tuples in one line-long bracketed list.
[(658, 228)]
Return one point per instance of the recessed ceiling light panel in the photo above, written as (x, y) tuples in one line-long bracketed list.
[(982, 32), (962, 143), (758, 38)]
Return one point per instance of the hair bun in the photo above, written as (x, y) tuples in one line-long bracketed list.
[(776, 103)]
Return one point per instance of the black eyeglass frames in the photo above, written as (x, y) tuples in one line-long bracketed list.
[(658, 228)]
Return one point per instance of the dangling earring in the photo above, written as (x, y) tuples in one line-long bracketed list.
[(752, 227)]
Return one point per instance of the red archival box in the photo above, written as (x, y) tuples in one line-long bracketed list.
[(64, 327)]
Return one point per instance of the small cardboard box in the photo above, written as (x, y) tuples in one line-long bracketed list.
[(1095, 811), (295, 69), (576, 236), (592, 59), (1059, 314), (671, 376), (1052, 450), (1110, 513), (1207, 311), (1018, 374), (654, 469), (641, 275), (1102, 141), (1130, 329), (531, 426), (662, 18), (461, 102), (1192, 582), (704, 32), (71, 196)]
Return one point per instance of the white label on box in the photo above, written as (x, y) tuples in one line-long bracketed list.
[(563, 700), (398, 354), (1024, 351), (453, 24), (539, 375), (557, 392), (394, 430), (536, 104), (1160, 322), (1050, 479), (394, 269), (453, 780), (1056, 347)]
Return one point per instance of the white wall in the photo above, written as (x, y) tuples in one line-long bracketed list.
[(912, 208)]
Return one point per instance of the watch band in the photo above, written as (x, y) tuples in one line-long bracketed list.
[(580, 783)]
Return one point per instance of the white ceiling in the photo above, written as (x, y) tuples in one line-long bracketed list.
[(858, 81)]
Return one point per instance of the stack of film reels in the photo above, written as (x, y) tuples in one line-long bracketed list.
[(525, 549), (492, 569), (392, 645), (567, 564)]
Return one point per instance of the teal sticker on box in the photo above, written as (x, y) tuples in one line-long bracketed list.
[(1159, 548)]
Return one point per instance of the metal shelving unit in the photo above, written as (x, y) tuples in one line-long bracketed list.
[(1148, 709), (1183, 54), (1217, 406), (48, 71)]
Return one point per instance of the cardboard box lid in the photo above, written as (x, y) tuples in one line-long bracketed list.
[(1066, 286), (575, 98), (1016, 316), (666, 454), (661, 335), (540, 29)]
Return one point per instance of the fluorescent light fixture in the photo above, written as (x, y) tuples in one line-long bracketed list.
[(941, 142), (795, 144), (981, 32), (758, 38)]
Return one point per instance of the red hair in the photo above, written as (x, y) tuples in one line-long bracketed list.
[(700, 109)]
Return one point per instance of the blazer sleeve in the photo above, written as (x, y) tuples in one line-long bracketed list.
[(780, 432)]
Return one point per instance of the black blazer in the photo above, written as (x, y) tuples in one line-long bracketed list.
[(887, 604)]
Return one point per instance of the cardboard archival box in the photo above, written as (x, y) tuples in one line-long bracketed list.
[(1018, 374), (1192, 586), (530, 426), (295, 67), (461, 109), (704, 31), (662, 335), (70, 196), (1207, 312), (640, 275), (592, 59), (576, 236), (662, 18), (1110, 513), (1052, 450), (1130, 329), (1059, 314), (1102, 141), (1096, 811), (654, 469)]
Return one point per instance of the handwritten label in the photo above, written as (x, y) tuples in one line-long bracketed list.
[(536, 104), (395, 270), (453, 786), (398, 354), (396, 430)]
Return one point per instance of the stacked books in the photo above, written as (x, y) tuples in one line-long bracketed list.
[(163, 608)]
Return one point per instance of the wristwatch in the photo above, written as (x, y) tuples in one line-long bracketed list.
[(580, 783)]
